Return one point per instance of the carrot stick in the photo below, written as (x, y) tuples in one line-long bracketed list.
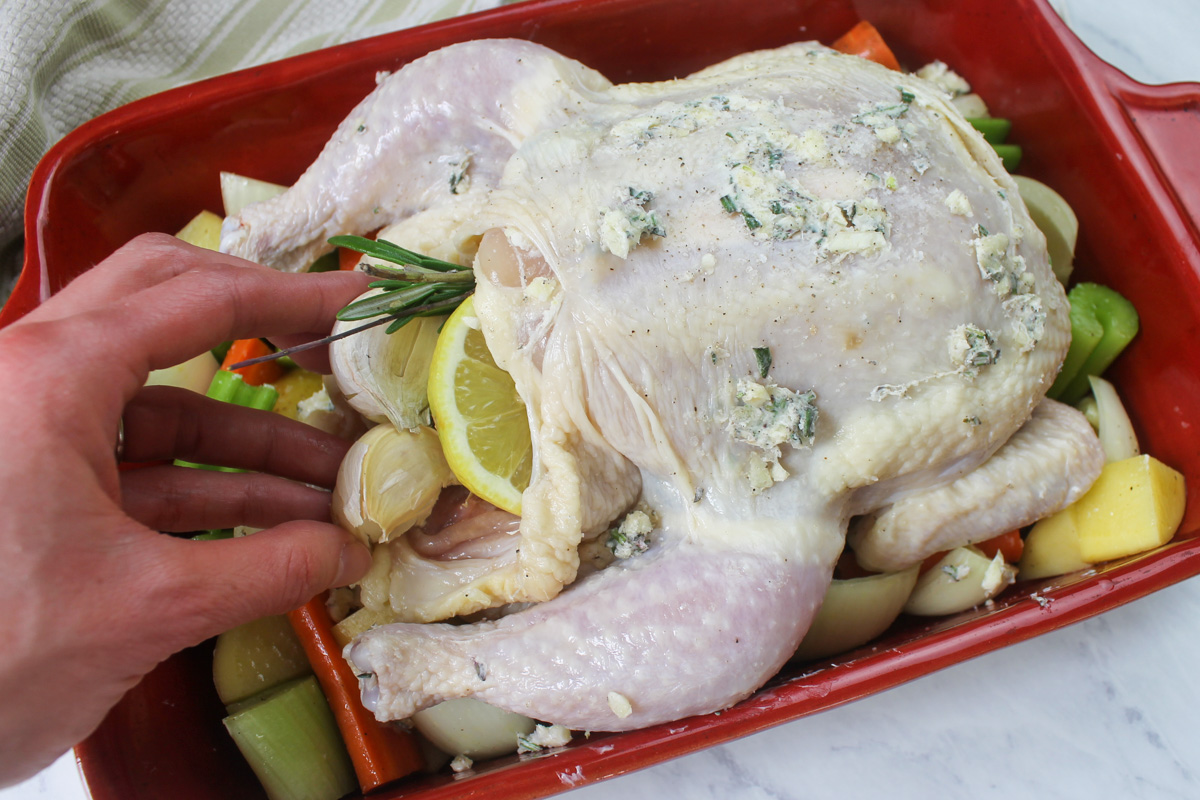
[(381, 753), (255, 374), (864, 40), (347, 258)]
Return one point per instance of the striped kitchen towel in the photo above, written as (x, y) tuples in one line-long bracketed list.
[(63, 62)]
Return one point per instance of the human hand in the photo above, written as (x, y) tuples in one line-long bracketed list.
[(94, 595)]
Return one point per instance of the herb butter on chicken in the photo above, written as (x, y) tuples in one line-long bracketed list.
[(789, 299)]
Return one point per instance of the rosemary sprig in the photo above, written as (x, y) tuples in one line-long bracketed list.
[(418, 286)]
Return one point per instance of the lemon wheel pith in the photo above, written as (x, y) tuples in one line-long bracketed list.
[(479, 415)]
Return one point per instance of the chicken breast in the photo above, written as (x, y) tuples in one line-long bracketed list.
[(790, 290)]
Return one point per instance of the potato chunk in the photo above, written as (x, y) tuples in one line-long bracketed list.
[(1052, 547), (1135, 505)]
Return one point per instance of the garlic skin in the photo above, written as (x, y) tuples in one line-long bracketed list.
[(383, 375), (389, 481)]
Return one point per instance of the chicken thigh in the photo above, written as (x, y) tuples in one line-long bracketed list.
[(787, 291)]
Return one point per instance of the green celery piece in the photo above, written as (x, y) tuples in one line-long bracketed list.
[(1086, 333), (1010, 154), (994, 129), (292, 742), (213, 534), (228, 387), (1119, 321)]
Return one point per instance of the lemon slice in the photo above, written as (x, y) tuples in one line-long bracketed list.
[(478, 413)]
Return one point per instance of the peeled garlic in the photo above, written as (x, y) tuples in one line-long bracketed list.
[(389, 481), (383, 375)]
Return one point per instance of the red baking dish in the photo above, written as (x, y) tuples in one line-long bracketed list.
[(1119, 151)]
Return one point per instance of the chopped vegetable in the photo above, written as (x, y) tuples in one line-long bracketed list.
[(1135, 505), (472, 728), (195, 374), (864, 40), (962, 579), (238, 191), (213, 535), (229, 387), (1052, 548), (290, 740), (348, 259), (1009, 545), (204, 230), (381, 753), (257, 656), (971, 106), (255, 374), (1102, 324), (359, 622), (994, 129), (1116, 431), (855, 611), (1055, 219), (295, 387), (1010, 154)]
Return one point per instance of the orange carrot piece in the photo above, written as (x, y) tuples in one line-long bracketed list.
[(381, 753), (348, 259), (864, 40), (255, 374), (1010, 545)]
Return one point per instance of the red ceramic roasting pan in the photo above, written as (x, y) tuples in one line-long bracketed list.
[(1120, 152)]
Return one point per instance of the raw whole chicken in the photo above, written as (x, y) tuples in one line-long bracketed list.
[(791, 294)]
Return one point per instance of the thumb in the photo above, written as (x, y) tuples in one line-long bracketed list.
[(225, 583)]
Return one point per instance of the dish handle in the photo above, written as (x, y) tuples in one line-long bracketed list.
[(1167, 121)]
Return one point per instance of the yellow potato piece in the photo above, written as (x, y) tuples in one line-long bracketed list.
[(1135, 505), (257, 656), (295, 387), (204, 230), (1052, 547)]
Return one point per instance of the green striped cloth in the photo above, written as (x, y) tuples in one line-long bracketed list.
[(63, 62)]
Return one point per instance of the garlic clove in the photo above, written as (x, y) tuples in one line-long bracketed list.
[(383, 375), (389, 481)]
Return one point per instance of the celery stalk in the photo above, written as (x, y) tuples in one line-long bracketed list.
[(1010, 154), (1086, 333), (228, 387), (1092, 306), (291, 741), (994, 129), (213, 534)]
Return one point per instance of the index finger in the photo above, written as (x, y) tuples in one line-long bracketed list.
[(211, 298)]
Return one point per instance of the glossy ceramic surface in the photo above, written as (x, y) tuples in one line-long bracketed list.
[(1120, 152)]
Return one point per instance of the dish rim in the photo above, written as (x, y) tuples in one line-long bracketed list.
[(1020, 617)]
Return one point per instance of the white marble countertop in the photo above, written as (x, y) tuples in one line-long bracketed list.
[(1105, 708)]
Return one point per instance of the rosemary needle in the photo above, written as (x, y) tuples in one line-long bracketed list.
[(418, 286)]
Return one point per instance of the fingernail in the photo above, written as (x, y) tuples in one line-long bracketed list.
[(353, 564)]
